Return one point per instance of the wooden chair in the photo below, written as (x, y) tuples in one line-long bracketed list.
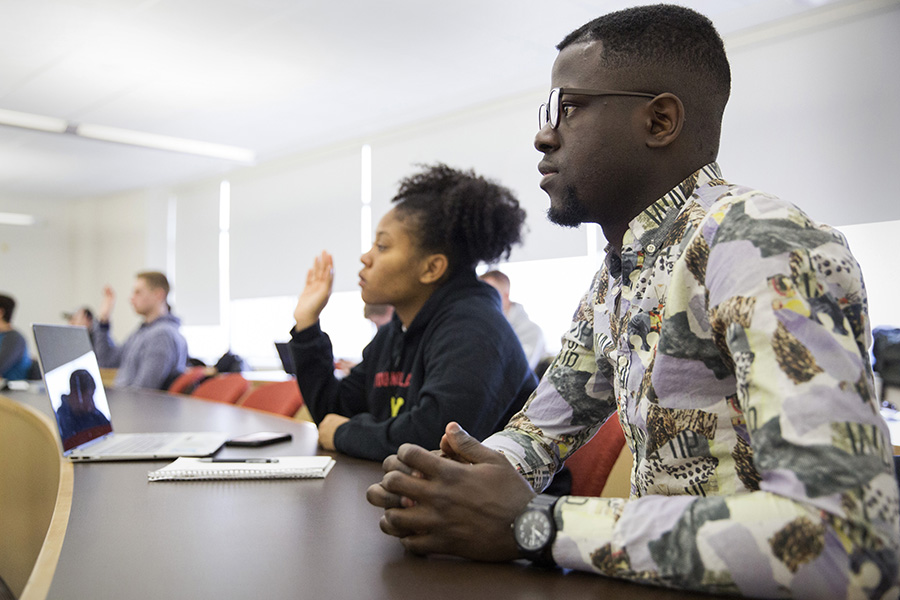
[(282, 398), (35, 499), (602, 467), (108, 376), (227, 388), (187, 381)]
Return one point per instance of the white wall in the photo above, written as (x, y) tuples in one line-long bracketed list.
[(495, 140), (286, 213), (36, 263), (111, 239), (811, 119)]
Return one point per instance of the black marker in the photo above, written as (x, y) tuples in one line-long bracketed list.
[(239, 460)]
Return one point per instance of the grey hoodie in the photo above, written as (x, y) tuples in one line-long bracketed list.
[(151, 357)]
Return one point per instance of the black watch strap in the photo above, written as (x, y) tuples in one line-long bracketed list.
[(543, 557)]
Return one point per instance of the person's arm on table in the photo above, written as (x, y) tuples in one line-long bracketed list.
[(506, 489), (462, 507), (823, 522), (327, 428)]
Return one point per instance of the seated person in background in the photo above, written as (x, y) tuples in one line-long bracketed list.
[(83, 317), (15, 361), (528, 332), (79, 419), (380, 315), (726, 331), (155, 354), (448, 354)]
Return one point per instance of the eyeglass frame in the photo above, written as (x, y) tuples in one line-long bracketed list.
[(545, 115)]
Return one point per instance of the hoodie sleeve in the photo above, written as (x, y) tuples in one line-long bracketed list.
[(323, 393), (109, 355)]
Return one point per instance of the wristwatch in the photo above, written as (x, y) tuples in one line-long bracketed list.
[(535, 530)]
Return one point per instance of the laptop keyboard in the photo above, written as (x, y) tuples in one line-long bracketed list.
[(136, 444)]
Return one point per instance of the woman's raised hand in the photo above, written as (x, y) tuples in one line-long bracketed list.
[(315, 295)]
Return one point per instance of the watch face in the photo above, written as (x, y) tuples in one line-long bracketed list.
[(533, 530)]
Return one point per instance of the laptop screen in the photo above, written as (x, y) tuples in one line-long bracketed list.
[(72, 378)]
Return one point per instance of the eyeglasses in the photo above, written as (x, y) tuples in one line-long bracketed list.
[(549, 112)]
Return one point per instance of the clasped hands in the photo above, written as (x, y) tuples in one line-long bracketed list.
[(461, 501)]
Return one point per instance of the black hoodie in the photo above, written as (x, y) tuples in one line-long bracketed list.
[(459, 361)]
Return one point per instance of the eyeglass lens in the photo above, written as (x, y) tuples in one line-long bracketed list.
[(549, 112)]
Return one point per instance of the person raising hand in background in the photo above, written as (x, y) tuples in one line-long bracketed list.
[(448, 354)]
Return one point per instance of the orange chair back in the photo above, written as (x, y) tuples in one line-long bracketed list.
[(227, 387), (185, 382), (591, 464), (281, 398)]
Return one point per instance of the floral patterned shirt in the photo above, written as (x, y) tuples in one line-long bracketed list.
[(730, 338)]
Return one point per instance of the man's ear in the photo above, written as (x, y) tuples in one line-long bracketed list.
[(434, 267), (160, 295), (665, 120)]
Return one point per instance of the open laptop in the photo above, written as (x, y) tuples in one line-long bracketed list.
[(287, 360), (78, 399)]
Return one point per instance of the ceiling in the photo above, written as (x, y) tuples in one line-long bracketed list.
[(272, 76)]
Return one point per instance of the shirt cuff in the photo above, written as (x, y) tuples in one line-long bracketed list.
[(306, 335)]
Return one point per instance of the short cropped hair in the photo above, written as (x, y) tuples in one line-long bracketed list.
[(155, 280), (7, 305), (664, 46)]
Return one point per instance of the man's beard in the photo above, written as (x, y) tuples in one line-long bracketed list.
[(570, 212)]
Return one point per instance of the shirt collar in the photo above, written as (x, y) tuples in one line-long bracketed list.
[(647, 230)]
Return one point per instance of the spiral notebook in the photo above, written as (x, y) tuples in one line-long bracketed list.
[(284, 467)]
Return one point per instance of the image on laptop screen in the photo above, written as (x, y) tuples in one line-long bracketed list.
[(79, 401)]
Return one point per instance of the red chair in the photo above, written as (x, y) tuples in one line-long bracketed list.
[(592, 464), (227, 387), (186, 382), (282, 398)]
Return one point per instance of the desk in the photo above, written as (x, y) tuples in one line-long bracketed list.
[(128, 538)]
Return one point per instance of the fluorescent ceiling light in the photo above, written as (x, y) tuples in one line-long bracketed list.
[(30, 121), (163, 142), (126, 136), (17, 219)]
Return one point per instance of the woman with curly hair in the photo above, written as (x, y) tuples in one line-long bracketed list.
[(449, 354)]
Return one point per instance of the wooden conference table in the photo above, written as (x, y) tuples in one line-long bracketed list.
[(131, 539)]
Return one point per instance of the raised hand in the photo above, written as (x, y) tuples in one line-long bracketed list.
[(107, 304), (316, 293), (462, 507)]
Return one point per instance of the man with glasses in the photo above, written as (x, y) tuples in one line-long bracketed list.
[(726, 331)]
